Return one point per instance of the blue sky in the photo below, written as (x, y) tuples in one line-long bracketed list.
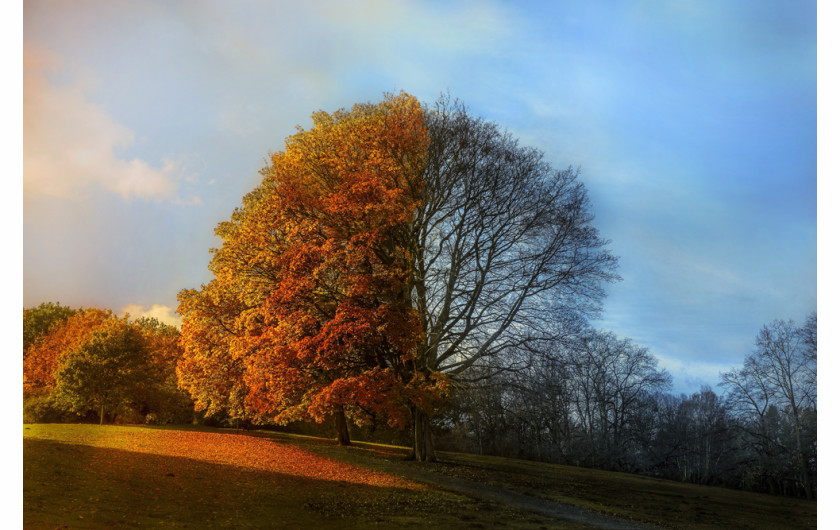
[(694, 125)]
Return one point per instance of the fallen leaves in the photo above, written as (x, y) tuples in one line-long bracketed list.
[(249, 452)]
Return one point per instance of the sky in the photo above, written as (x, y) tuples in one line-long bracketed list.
[(694, 124)]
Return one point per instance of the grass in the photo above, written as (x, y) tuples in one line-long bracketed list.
[(92, 476), (645, 500), (663, 503)]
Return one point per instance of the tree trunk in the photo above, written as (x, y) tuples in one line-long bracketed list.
[(342, 434), (101, 414), (804, 477), (423, 450), (804, 472)]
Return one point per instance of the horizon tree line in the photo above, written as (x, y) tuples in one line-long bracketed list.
[(600, 401), (596, 401)]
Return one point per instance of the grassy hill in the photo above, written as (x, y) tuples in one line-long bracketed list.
[(119, 476)]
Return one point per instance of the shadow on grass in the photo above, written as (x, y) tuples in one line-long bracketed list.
[(644, 500), (72, 485), (650, 500)]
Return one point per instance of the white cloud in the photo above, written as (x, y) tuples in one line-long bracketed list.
[(165, 314), (69, 142)]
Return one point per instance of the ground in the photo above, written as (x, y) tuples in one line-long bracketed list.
[(104, 476)]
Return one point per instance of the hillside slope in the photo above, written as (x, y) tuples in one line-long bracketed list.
[(92, 476)]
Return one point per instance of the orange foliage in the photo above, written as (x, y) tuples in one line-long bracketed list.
[(207, 370), (154, 391), (163, 343), (310, 306), (42, 358)]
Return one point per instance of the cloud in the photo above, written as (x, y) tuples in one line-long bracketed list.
[(165, 314), (690, 376), (69, 142)]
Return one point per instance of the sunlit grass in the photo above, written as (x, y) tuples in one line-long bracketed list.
[(249, 452)]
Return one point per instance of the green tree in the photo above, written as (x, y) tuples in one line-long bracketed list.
[(106, 372), (160, 400), (41, 359)]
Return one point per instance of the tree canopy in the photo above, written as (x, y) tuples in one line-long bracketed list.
[(386, 251), (42, 358), (94, 361), (104, 371), (309, 313), (37, 321)]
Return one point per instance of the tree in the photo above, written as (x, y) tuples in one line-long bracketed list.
[(104, 372), (38, 321), (779, 377), (43, 356), (157, 400), (309, 307), (160, 400), (694, 441), (386, 252), (807, 334), (208, 370), (587, 400), (503, 244), (611, 380)]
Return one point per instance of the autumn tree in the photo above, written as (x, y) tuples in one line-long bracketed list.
[(42, 357), (47, 346), (157, 400), (309, 314), (37, 321), (104, 372), (160, 400), (218, 313), (209, 370)]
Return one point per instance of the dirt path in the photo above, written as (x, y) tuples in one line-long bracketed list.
[(426, 474), (544, 507), (498, 495)]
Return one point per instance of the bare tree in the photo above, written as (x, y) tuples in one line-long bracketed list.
[(808, 336), (779, 378), (502, 242), (585, 401), (694, 438), (613, 377)]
